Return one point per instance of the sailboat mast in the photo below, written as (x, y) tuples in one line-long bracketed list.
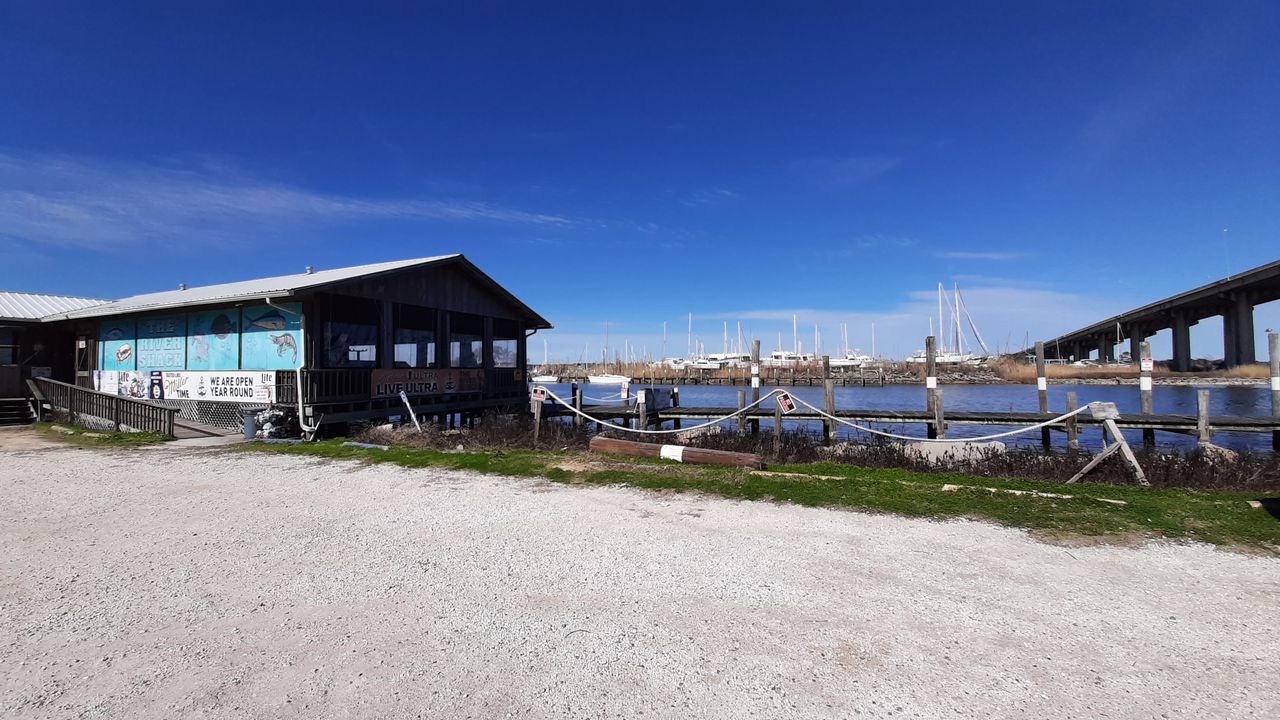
[(795, 334), (956, 310), (873, 339), (940, 325), (688, 353)]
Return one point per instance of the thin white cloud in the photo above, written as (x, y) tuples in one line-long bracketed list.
[(61, 200), (846, 170), (711, 196), (992, 256)]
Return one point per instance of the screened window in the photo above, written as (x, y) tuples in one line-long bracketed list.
[(505, 343), (415, 337), (351, 344), (466, 341)]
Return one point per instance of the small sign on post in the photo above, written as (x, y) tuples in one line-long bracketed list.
[(539, 394), (787, 403), (404, 398), (1146, 364)]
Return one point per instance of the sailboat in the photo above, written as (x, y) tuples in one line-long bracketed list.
[(541, 379), (853, 358), (606, 378), (953, 354)]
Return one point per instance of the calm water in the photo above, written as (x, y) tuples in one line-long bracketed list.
[(1252, 400)]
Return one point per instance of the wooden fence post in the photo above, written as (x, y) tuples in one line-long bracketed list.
[(675, 403), (829, 406), (1144, 389), (1273, 348), (755, 382), (537, 420), (115, 413), (742, 403), (1073, 427), (1203, 431), (939, 422), (777, 429), (1042, 391), (930, 379)]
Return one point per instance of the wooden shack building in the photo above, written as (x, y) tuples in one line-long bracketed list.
[(340, 345)]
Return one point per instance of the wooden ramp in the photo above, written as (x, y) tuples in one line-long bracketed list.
[(184, 429)]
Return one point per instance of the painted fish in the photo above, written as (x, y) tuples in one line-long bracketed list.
[(222, 326), (269, 321), (285, 343), (124, 352), (199, 348), (113, 334)]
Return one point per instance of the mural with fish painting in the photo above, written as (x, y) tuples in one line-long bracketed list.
[(271, 338), (213, 340), (117, 340), (162, 343)]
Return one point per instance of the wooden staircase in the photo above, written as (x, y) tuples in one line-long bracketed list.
[(15, 411)]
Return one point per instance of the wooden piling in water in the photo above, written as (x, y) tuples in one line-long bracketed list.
[(777, 429), (1273, 349), (939, 421), (930, 378), (1203, 431), (675, 403), (1145, 366), (1073, 428), (1042, 391), (755, 382), (829, 406), (742, 403)]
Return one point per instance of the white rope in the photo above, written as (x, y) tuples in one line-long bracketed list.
[(997, 436), (608, 398), (825, 414), (730, 416)]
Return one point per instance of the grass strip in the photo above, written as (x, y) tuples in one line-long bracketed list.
[(80, 437), (1220, 518)]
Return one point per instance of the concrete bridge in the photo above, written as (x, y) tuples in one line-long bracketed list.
[(1233, 297)]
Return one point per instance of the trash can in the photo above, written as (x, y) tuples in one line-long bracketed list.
[(250, 424)]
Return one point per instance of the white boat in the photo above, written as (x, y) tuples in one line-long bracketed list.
[(545, 379), (851, 359), (953, 354), (608, 379), (786, 358)]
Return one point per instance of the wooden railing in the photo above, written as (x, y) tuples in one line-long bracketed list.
[(119, 411)]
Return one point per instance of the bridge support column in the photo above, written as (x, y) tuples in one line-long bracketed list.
[(1181, 342), (1237, 331), (1137, 334), (1106, 348)]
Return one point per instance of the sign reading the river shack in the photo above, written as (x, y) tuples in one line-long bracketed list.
[(426, 381)]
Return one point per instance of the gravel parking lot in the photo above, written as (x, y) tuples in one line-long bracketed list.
[(181, 583)]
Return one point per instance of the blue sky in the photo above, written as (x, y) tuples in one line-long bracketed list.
[(637, 162)]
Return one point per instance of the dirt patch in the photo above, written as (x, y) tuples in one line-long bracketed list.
[(22, 439)]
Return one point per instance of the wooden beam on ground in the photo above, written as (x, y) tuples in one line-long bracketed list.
[(678, 453)]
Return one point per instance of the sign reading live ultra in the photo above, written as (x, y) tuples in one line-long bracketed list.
[(426, 381)]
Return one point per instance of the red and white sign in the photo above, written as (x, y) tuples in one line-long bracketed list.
[(1147, 364)]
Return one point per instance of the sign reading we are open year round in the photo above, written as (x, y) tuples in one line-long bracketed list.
[(416, 382)]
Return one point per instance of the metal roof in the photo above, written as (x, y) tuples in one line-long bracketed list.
[(245, 289), (275, 287), (30, 306)]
